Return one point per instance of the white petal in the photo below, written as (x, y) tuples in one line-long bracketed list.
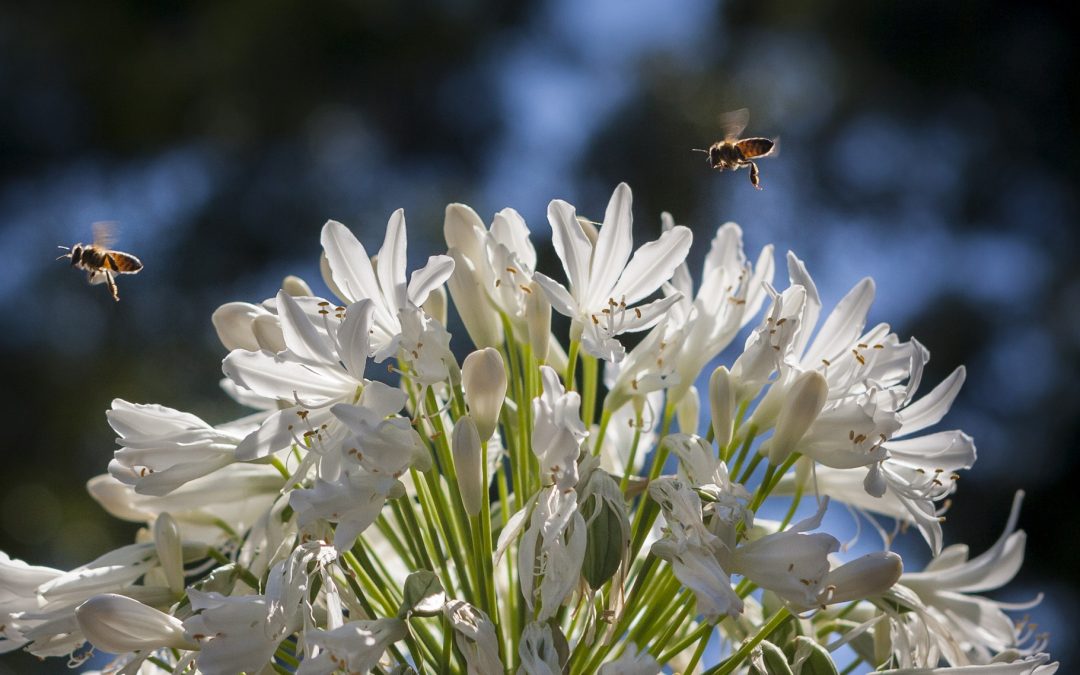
[(278, 377), (844, 325), (350, 266), (275, 433), (392, 262), (509, 229), (799, 276), (572, 246), (560, 299), (614, 243), (650, 313), (929, 409), (652, 265), (946, 450), (232, 321), (301, 337), (429, 277), (354, 337)]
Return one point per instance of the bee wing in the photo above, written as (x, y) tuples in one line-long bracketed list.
[(124, 263), (752, 148), (732, 123), (104, 233)]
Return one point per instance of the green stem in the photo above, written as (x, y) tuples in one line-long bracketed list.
[(731, 663), (571, 365), (589, 368), (605, 419)]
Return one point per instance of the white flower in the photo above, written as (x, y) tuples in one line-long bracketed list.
[(605, 283), (729, 297), (558, 432), (537, 650), (791, 563), (353, 501), (474, 634), (352, 276), (975, 626), (1028, 665), (162, 449), (355, 647), (117, 624), (557, 533)]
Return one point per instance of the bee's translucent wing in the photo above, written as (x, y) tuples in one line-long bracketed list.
[(732, 123), (104, 233)]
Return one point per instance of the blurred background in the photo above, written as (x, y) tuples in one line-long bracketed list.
[(929, 145)]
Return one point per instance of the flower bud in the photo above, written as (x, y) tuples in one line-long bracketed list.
[(802, 405), (170, 551), (296, 287), (466, 450), (435, 305), (483, 378), (865, 577), (470, 297), (538, 319), (117, 624), (722, 405), (608, 525), (687, 411)]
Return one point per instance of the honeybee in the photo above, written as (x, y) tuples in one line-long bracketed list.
[(101, 263), (732, 153)]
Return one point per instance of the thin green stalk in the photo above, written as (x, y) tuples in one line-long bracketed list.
[(702, 634), (605, 419), (791, 509), (589, 368), (751, 433), (625, 482), (732, 662), (571, 365)]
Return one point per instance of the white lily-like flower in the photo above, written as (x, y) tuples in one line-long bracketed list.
[(1036, 664), (162, 448), (538, 652), (474, 634), (355, 647), (558, 432), (117, 624), (353, 501), (730, 295), (974, 627), (790, 563), (556, 532), (693, 551), (349, 272), (605, 282)]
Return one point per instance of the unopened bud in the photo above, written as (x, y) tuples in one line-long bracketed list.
[(170, 551), (435, 305), (466, 451), (802, 405), (687, 411), (483, 378), (118, 624), (722, 405), (470, 297), (538, 319), (296, 287), (862, 578), (608, 526)]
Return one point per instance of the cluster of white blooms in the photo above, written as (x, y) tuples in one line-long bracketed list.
[(523, 512)]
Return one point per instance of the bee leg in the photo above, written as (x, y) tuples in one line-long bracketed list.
[(112, 285), (754, 179)]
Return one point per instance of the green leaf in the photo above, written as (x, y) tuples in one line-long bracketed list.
[(423, 595)]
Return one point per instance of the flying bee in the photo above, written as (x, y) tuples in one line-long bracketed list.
[(101, 263), (732, 153)]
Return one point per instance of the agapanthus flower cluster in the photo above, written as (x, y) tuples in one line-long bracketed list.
[(388, 507)]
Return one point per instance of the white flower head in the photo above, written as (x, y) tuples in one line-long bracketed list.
[(558, 432), (605, 282)]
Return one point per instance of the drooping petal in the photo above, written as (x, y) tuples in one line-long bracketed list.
[(429, 277), (560, 299), (928, 410)]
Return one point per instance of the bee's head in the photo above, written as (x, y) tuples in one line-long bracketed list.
[(73, 253), (714, 156)]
